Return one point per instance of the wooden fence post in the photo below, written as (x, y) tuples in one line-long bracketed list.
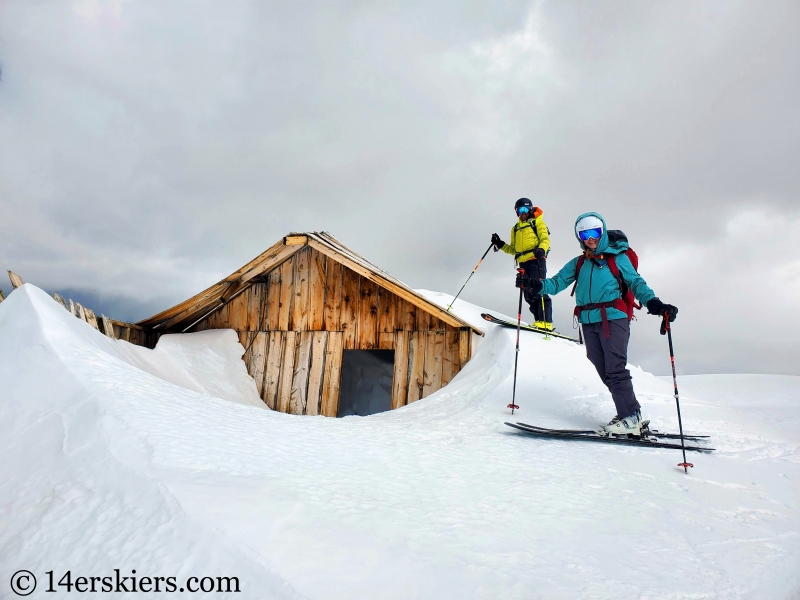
[(108, 327), (16, 280), (90, 317), (60, 299)]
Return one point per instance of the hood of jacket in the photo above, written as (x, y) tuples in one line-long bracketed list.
[(604, 246)]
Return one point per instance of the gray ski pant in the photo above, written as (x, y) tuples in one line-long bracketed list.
[(610, 358)]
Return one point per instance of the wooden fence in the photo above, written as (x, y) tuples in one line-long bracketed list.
[(112, 328)]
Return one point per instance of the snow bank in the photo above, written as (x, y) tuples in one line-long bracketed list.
[(110, 459), (209, 362)]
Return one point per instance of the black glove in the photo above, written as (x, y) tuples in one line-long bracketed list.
[(523, 281), (665, 311), (657, 307), (498, 243), (539, 254), (535, 286)]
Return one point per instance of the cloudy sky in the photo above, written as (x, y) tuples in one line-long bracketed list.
[(149, 148)]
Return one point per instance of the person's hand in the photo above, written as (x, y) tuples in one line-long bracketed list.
[(498, 243), (539, 254), (657, 307), (665, 311), (522, 280)]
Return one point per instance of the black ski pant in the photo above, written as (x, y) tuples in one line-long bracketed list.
[(537, 269), (610, 358)]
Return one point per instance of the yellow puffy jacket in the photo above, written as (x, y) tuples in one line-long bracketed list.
[(528, 235)]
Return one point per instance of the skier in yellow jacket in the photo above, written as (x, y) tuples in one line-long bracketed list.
[(530, 243)]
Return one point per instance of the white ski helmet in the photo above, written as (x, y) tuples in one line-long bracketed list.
[(588, 222)]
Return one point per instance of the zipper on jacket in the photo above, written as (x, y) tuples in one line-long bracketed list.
[(591, 276)]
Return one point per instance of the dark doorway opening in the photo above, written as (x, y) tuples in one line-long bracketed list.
[(366, 386)]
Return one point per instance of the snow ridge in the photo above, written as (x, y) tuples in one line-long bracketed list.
[(159, 461)]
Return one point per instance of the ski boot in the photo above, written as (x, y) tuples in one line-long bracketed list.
[(628, 427)]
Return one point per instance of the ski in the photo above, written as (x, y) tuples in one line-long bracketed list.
[(645, 433), (524, 327), (647, 443)]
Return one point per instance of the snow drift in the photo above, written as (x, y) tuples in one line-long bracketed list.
[(164, 461)]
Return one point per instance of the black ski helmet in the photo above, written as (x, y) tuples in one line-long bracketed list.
[(523, 202)]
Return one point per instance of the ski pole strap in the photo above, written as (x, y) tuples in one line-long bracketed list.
[(619, 304)]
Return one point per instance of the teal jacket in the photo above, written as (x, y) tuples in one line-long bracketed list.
[(596, 282)]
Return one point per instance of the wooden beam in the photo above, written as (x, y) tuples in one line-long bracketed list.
[(295, 240), (400, 378), (387, 305), (432, 378), (258, 359), (128, 325), (287, 295), (287, 372), (201, 311), (333, 295), (416, 365), (302, 359), (273, 300), (16, 280), (367, 316), (1, 296), (273, 260), (299, 312), (333, 375), (450, 357), (272, 372), (348, 319), (316, 291), (464, 347), (316, 372)]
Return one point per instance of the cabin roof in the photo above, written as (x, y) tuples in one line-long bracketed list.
[(183, 316)]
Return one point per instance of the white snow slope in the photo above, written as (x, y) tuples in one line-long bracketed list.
[(114, 457)]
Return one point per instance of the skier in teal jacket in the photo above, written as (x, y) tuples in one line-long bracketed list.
[(605, 325)]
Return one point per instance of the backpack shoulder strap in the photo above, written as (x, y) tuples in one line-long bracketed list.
[(578, 265), (612, 264)]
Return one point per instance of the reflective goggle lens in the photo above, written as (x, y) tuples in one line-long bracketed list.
[(589, 234), (523, 209)]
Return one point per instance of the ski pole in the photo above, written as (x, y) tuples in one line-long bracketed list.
[(470, 277), (544, 320), (513, 405), (666, 328)]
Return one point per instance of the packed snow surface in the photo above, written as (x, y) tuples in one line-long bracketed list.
[(164, 461)]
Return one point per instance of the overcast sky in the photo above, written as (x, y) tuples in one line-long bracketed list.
[(150, 148)]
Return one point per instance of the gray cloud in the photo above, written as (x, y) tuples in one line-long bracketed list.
[(149, 149)]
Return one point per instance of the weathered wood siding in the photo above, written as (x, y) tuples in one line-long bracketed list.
[(296, 320)]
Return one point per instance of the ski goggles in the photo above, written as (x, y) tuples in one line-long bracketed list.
[(523, 210), (591, 234)]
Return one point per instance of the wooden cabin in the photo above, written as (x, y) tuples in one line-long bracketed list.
[(325, 331)]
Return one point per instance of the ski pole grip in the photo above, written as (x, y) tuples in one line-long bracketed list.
[(664, 324)]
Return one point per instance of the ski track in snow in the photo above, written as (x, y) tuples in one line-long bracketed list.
[(120, 457)]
